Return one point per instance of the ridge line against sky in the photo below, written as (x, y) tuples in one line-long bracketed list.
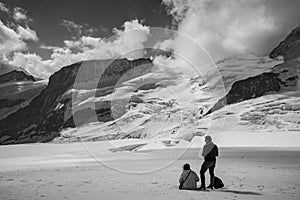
[(43, 36)]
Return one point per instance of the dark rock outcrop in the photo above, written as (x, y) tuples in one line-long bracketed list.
[(248, 89), (49, 112), (281, 77), (14, 76), (288, 48), (5, 68), (17, 89)]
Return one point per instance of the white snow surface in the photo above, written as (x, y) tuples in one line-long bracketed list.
[(174, 109)]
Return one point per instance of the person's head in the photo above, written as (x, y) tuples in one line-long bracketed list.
[(208, 139), (186, 166)]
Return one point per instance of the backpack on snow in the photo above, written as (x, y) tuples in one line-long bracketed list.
[(218, 183)]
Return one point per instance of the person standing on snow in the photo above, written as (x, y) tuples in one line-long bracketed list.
[(210, 152)]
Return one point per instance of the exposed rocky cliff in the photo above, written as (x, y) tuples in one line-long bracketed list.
[(5, 68), (17, 89), (281, 77), (288, 48), (51, 111), (14, 76)]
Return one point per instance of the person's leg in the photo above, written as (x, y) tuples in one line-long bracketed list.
[(212, 175), (202, 174)]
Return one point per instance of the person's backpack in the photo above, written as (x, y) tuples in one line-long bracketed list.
[(218, 183)]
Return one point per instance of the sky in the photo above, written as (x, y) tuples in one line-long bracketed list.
[(33, 33), (44, 35)]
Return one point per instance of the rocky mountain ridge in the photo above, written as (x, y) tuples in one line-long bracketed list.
[(80, 94), (14, 76), (17, 89), (289, 48), (49, 112), (281, 77)]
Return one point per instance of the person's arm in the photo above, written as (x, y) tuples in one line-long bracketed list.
[(204, 151), (181, 178), (217, 151)]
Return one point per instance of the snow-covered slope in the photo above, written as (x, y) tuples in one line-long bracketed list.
[(239, 68), (175, 106), (122, 99), (51, 110)]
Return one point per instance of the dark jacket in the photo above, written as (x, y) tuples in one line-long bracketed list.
[(210, 152)]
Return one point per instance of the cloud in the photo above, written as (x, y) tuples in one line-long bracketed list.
[(27, 33), (83, 42), (13, 39), (20, 15), (131, 39), (10, 41), (43, 46), (72, 27), (124, 44), (80, 29), (33, 63), (229, 27), (3, 8)]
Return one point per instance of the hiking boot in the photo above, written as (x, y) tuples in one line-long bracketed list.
[(210, 187), (202, 187)]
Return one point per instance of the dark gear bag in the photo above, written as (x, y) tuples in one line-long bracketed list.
[(218, 183)]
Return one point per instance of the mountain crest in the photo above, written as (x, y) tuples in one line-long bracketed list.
[(289, 48), (14, 76)]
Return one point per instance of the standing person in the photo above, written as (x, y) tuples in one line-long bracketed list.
[(210, 152), (188, 178)]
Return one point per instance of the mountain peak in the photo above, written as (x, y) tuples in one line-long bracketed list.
[(289, 48), (14, 76), (50, 111)]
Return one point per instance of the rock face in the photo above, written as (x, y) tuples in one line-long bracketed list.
[(5, 68), (17, 89), (51, 110), (290, 47), (281, 77), (14, 76), (284, 76)]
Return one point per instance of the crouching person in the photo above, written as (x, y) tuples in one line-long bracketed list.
[(188, 178)]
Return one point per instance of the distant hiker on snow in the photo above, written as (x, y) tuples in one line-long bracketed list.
[(188, 179), (210, 152)]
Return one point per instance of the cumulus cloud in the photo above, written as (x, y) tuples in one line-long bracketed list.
[(27, 33), (131, 39), (20, 15), (124, 44), (13, 39), (33, 63), (222, 28), (83, 43), (3, 8), (230, 27), (10, 41), (80, 29), (72, 26)]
